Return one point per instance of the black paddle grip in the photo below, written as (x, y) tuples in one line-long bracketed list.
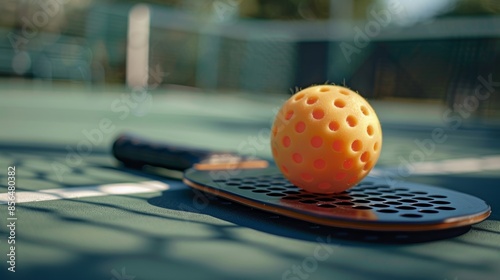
[(135, 152)]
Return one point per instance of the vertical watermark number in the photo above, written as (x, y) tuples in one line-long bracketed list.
[(11, 217)]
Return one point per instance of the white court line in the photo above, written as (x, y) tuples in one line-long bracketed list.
[(91, 191), (443, 167)]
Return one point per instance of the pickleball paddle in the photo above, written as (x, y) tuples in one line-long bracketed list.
[(370, 205)]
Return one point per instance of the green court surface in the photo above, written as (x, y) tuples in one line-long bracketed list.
[(167, 233)]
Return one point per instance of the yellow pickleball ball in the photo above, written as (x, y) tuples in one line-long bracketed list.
[(325, 139)]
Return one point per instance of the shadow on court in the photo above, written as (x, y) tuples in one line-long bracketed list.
[(187, 200)]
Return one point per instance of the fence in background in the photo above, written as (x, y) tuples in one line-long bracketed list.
[(440, 59)]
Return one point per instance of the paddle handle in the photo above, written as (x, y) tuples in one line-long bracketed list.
[(136, 152)]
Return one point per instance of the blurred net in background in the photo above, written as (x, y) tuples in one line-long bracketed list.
[(425, 50)]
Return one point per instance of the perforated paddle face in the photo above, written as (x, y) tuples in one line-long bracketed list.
[(370, 205)]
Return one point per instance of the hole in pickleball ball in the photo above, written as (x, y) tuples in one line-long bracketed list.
[(339, 103), (369, 130), (333, 126), (348, 163), (324, 89), (367, 166), (300, 127), (275, 152), (316, 141), (375, 146), (356, 145), (337, 145), (299, 97), (284, 169), (319, 164), (318, 114), (365, 157), (351, 121), (311, 100), (306, 177), (289, 115), (297, 158), (353, 180), (340, 176), (286, 141), (275, 131), (344, 92), (364, 110)]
